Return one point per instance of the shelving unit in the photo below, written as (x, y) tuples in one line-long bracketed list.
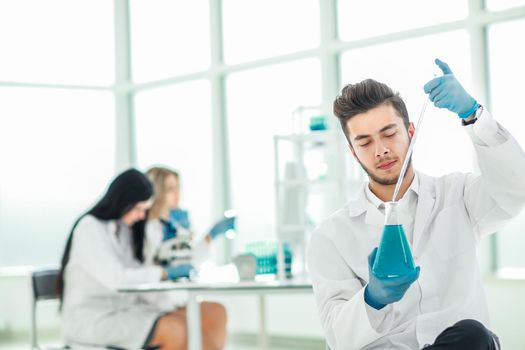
[(309, 185)]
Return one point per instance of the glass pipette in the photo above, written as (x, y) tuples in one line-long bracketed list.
[(410, 149), (394, 257)]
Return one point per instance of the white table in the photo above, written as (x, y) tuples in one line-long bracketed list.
[(195, 289)]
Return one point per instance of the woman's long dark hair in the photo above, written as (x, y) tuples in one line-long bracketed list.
[(124, 192)]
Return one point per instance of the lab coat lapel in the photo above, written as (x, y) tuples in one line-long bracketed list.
[(113, 238), (360, 204), (374, 217), (425, 205)]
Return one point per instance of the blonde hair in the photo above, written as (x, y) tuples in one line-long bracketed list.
[(157, 176)]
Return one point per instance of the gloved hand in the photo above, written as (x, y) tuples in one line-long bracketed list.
[(169, 230), (382, 291), (222, 226), (179, 271), (447, 92), (180, 216)]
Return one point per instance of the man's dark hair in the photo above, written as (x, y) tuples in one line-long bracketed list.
[(364, 96)]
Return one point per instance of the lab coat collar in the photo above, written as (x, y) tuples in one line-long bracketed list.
[(376, 202), (360, 203), (422, 184)]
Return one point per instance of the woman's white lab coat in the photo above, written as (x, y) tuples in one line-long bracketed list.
[(453, 213), (94, 312)]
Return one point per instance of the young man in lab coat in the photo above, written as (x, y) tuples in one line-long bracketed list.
[(441, 305)]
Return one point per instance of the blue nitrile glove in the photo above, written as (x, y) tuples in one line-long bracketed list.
[(179, 271), (382, 291), (222, 226), (169, 230), (447, 92), (180, 217)]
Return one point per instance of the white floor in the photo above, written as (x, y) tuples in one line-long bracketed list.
[(235, 342), (25, 345)]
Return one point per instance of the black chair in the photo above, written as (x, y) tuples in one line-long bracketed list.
[(43, 282)]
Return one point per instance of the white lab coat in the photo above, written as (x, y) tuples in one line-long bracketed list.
[(453, 212), (93, 311)]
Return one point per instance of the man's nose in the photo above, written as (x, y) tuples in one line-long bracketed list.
[(381, 150)]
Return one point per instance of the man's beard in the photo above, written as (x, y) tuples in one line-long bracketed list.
[(382, 181)]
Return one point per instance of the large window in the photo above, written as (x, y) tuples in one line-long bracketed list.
[(169, 38), (203, 86), (364, 19), (506, 76), (260, 104), (266, 28), (498, 5), (174, 129), (57, 157), (57, 41), (442, 146), (57, 121)]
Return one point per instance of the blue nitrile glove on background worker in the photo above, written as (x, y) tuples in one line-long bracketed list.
[(447, 92), (179, 271), (180, 217), (169, 230), (222, 226), (380, 292)]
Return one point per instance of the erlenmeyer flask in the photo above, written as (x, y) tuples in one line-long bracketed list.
[(394, 257)]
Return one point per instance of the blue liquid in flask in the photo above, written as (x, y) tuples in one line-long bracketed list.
[(393, 258)]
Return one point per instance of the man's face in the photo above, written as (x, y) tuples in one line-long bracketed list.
[(379, 142)]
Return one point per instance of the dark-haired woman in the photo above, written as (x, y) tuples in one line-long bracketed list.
[(105, 251)]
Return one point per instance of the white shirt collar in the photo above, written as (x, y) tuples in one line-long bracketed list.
[(379, 204)]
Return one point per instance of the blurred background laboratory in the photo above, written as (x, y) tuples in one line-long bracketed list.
[(235, 98)]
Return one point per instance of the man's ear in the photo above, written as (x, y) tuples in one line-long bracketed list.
[(411, 130)]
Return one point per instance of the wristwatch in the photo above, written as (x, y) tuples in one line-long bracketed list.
[(477, 114)]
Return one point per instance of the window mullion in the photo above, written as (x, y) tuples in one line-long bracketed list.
[(125, 132)]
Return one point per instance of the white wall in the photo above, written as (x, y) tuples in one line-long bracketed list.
[(507, 311), (15, 306)]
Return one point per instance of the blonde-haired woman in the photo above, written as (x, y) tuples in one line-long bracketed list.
[(160, 228)]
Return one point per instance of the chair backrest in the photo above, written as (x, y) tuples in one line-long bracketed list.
[(44, 284)]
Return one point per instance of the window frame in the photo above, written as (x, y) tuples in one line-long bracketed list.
[(328, 53)]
